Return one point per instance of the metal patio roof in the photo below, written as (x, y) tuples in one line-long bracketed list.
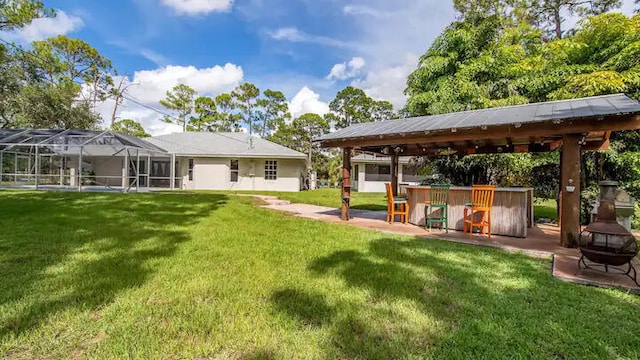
[(60, 140), (552, 111)]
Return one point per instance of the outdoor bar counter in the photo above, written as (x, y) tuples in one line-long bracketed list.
[(511, 214)]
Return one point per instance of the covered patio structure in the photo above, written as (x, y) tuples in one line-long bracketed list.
[(568, 125)]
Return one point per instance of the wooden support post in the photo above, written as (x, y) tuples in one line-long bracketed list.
[(172, 172), (570, 187), (80, 170), (394, 173), (346, 184), (1, 165), (37, 167)]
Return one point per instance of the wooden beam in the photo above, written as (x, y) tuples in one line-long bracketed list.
[(541, 129), (599, 145), (346, 184), (570, 188)]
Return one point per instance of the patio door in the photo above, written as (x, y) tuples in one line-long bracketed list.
[(143, 177)]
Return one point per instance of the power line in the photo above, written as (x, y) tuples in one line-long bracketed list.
[(148, 107)]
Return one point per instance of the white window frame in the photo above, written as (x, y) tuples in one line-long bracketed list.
[(234, 171), (271, 170)]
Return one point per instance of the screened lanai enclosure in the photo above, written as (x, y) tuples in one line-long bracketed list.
[(83, 160)]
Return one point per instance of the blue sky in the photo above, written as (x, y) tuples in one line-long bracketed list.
[(309, 49)]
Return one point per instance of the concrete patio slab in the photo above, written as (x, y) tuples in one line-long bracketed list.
[(566, 268)]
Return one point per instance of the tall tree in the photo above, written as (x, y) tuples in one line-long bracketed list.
[(226, 118), (18, 13), (63, 59), (549, 13), (205, 111), (382, 110), (273, 113), (307, 127), (117, 93), (352, 106), (245, 98), (180, 100), (507, 9), (131, 127), (12, 79), (56, 84), (53, 106), (299, 135)]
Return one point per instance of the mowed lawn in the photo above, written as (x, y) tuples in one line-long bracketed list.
[(330, 197), (86, 275)]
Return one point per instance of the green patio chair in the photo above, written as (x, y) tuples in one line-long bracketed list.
[(438, 202)]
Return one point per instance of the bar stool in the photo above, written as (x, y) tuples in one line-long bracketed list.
[(481, 202), (438, 201)]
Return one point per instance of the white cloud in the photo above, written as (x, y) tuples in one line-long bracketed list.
[(393, 42), (148, 87), (357, 63), (388, 83), (153, 56), (198, 7), (361, 10), (348, 70), (307, 101), (288, 34), (43, 28), (151, 85), (294, 34)]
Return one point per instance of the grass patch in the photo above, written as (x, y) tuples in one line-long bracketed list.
[(203, 275), (331, 198), (545, 208)]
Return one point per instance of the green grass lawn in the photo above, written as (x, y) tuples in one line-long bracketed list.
[(200, 275), (331, 198), (545, 208)]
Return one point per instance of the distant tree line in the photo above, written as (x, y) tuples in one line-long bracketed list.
[(266, 114)]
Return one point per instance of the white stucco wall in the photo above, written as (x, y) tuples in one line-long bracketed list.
[(376, 186), (215, 174), (108, 170)]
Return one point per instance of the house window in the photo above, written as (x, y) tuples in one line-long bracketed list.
[(190, 169), (376, 172), (409, 173), (270, 170), (160, 169), (234, 170)]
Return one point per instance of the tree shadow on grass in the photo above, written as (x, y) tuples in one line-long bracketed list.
[(80, 250), (487, 303), (311, 310)]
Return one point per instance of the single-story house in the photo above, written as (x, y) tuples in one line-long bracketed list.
[(95, 160), (371, 172), (233, 161)]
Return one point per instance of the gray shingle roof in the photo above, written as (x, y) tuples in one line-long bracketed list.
[(509, 115), (222, 145)]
